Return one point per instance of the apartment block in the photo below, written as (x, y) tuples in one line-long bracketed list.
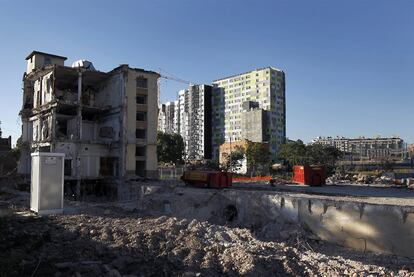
[(366, 148), (250, 106), (104, 122), (190, 116), (167, 120)]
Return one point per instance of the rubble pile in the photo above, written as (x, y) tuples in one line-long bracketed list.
[(114, 242), (279, 181), (387, 179)]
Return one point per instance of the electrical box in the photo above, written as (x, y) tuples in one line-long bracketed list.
[(46, 190)]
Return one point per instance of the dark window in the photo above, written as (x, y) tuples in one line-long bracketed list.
[(106, 132), (140, 133), (142, 82), (141, 99), (108, 166), (141, 116), (48, 61), (68, 167), (140, 151), (140, 168)]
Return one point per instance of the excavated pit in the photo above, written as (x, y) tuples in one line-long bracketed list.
[(363, 226)]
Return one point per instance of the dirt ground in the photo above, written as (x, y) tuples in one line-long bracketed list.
[(97, 240)]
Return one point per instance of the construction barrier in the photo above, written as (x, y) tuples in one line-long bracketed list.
[(251, 179), (170, 173)]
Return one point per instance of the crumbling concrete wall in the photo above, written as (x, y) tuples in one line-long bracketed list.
[(43, 90), (108, 94), (90, 155), (379, 228)]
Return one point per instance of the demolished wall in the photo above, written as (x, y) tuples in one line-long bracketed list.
[(378, 228)]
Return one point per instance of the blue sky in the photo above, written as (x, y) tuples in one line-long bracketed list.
[(349, 64)]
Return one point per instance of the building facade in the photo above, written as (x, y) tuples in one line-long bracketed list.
[(104, 122), (263, 92), (227, 148), (191, 118), (254, 125), (167, 122), (366, 148), (410, 150)]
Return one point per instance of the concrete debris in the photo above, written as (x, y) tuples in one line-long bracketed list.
[(126, 243), (278, 181), (386, 178)]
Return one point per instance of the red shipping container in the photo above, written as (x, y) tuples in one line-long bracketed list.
[(309, 175), (207, 179)]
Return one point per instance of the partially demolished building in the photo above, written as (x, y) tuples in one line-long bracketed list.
[(104, 122)]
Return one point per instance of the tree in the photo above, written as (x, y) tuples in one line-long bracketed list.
[(10, 159), (297, 153), (233, 161), (257, 155), (170, 148), (293, 152)]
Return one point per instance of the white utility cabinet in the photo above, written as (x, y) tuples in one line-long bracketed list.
[(46, 190)]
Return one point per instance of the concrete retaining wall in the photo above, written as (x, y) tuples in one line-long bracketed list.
[(379, 228)]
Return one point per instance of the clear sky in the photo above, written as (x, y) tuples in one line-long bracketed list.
[(349, 64)]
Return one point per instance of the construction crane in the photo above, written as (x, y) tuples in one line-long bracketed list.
[(172, 77)]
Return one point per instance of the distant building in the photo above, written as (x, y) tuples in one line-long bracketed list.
[(251, 106), (104, 122), (166, 118), (254, 124), (228, 147), (161, 118), (366, 148), (410, 150), (190, 116)]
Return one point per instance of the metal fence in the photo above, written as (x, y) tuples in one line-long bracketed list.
[(170, 173)]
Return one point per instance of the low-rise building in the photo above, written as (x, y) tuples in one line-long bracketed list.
[(231, 146), (410, 150), (366, 148)]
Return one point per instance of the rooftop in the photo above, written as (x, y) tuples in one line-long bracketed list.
[(258, 69), (46, 54)]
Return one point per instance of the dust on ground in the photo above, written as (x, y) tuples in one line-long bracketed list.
[(102, 241)]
